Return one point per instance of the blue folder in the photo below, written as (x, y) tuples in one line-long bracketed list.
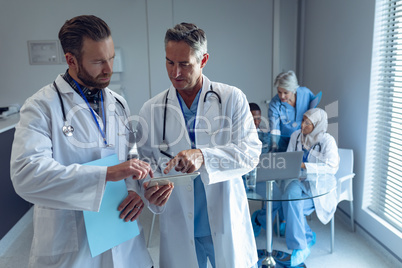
[(105, 229), (314, 102)]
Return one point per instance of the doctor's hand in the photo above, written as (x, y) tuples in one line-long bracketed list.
[(274, 147), (134, 168), (158, 195), (131, 207), (186, 161)]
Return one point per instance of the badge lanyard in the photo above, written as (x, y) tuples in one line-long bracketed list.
[(93, 113)]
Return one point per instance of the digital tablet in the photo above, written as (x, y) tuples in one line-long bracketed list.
[(176, 179)]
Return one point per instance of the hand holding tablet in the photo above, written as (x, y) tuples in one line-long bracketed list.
[(159, 189), (175, 179)]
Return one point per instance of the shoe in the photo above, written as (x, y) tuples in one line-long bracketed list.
[(261, 253), (256, 225), (302, 265), (281, 258), (299, 256), (282, 228), (312, 242)]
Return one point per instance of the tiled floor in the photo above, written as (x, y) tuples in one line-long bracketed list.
[(351, 249)]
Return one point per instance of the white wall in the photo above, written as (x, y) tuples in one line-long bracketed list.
[(337, 60), (337, 56), (288, 36), (239, 38), (239, 42), (21, 21)]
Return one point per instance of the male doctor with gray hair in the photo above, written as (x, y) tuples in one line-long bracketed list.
[(204, 126)]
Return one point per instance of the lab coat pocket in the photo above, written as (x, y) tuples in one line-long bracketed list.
[(55, 232), (213, 131)]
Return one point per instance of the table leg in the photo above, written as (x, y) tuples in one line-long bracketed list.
[(269, 261)]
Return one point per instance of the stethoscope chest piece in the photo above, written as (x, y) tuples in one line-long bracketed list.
[(68, 130), (164, 147)]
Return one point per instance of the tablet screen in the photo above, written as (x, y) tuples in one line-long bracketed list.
[(176, 179)]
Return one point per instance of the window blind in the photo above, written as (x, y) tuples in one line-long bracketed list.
[(384, 143)]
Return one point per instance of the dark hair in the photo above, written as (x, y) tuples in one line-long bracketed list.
[(254, 107), (191, 34), (72, 33)]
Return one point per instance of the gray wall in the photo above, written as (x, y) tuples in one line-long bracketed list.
[(21, 21), (337, 60), (239, 38), (337, 56)]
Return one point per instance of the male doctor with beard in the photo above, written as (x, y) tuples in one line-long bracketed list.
[(72, 121), (204, 126)]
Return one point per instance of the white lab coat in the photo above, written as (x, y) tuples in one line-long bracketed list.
[(46, 171), (229, 142), (325, 206)]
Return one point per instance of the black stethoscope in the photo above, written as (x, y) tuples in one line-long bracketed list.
[(67, 129), (313, 148), (164, 147)]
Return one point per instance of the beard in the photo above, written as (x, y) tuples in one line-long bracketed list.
[(90, 81)]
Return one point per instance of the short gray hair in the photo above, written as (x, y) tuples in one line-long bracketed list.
[(192, 35), (287, 80)]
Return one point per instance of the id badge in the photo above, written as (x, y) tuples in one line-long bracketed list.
[(107, 151)]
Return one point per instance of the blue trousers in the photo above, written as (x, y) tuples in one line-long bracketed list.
[(298, 232), (204, 248)]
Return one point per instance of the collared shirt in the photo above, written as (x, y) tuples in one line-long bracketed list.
[(93, 96)]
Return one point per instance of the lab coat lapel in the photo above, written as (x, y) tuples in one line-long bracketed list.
[(175, 123), (174, 108), (65, 88), (204, 107), (208, 114), (109, 104)]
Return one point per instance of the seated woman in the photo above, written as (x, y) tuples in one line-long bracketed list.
[(318, 147)]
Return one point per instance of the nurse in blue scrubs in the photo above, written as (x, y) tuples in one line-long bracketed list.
[(286, 109), (285, 115)]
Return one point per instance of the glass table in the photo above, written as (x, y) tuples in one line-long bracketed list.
[(315, 185)]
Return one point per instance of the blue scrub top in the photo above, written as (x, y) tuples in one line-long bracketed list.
[(201, 221), (284, 119), (265, 139)]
